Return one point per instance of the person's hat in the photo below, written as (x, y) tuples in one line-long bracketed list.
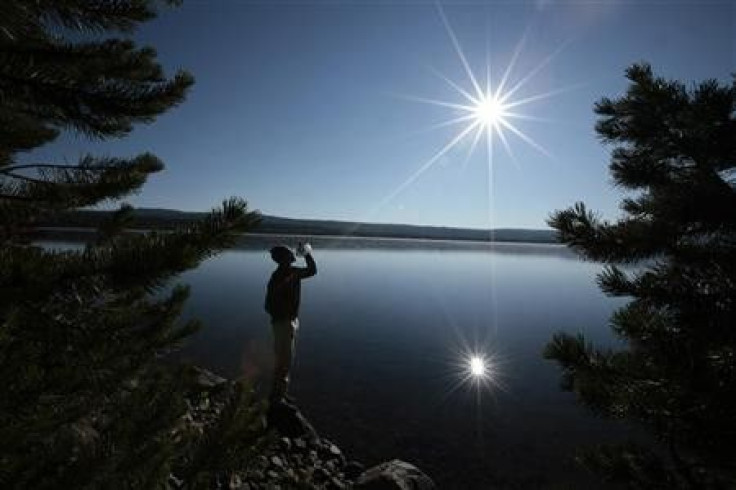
[(281, 254)]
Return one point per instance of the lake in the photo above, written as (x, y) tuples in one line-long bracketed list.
[(386, 326), (381, 364)]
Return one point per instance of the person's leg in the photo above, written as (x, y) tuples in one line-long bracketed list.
[(284, 338)]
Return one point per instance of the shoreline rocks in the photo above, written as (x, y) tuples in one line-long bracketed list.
[(298, 457), (395, 474)]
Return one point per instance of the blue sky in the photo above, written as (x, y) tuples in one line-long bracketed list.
[(302, 107)]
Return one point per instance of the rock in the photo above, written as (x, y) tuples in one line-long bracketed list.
[(276, 461), (206, 379), (335, 484), (204, 404), (300, 443), (330, 451), (394, 475), (285, 443), (235, 482), (353, 470), (175, 482), (289, 421), (321, 474), (81, 434), (334, 450)]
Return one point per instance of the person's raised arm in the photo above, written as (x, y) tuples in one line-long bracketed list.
[(311, 268)]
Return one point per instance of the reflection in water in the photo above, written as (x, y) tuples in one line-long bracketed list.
[(477, 366), (477, 371)]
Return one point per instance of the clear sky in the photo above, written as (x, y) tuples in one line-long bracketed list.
[(305, 110)]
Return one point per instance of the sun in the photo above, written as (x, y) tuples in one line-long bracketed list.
[(490, 111), (484, 111)]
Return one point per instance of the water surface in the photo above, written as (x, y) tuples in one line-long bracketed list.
[(382, 328)]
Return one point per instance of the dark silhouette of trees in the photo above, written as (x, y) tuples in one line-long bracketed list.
[(86, 402), (675, 151)]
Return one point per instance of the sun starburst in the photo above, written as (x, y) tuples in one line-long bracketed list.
[(488, 111)]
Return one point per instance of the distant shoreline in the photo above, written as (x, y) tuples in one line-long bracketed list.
[(165, 219), (84, 233), (263, 241)]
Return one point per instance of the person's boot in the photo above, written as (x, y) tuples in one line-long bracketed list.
[(288, 420), (278, 390)]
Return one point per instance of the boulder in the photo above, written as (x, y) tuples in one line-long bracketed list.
[(206, 379), (394, 475), (289, 421)]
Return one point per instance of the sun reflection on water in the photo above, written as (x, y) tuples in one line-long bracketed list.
[(477, 366), (476, 370)]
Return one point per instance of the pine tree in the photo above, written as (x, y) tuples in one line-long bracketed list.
[(86, 400), (675, 152)]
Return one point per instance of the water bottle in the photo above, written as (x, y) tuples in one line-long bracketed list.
[(304, 248)]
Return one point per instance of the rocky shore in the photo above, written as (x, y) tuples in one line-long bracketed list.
[(295, 456)]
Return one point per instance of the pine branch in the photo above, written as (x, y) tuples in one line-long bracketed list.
[(98, 88), (90, 182), (632, 465), (52, 166), (96, 108), (77, 15), (141, 260), (21, 133), (614, 282), (588, 372), (627, 241), (115, 224)]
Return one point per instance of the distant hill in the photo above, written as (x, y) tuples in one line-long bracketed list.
[(152, 218)]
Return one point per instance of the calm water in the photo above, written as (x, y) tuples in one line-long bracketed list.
[(379, 359), (383, 326)]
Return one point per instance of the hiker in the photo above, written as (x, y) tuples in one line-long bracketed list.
[(282, 303)]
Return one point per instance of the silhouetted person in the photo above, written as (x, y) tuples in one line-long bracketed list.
[(282, 303)]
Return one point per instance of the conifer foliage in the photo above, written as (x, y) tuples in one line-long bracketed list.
[(86, 401), (675, 152)]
